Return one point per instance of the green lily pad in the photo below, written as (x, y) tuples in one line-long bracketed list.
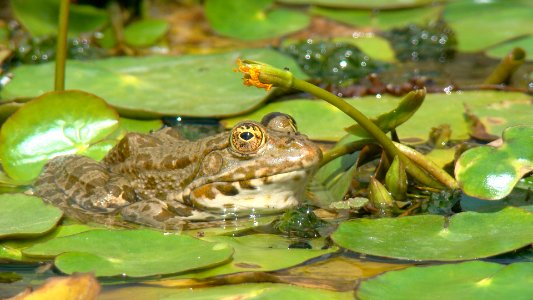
[(26, 216), (491, 173), (73, 121), (500, 51), (40, 17), (133, 253), (467, 235), (494, 22), (376, 4), (154, 86), (468, 280), (253, 20), (12, 249), (258, 252), (375, 47), (145, 32), (518, 198), (383, 20), (496, 110), (239, 291)]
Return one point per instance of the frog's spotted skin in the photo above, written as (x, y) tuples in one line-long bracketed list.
[(162, 180)]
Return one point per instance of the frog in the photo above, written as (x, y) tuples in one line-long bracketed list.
[(164, 181)]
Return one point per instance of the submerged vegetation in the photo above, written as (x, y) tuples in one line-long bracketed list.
[(431, 163)]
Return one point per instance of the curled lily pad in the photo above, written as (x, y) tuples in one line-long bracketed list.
[(153, 86), (252, 20), (490, 173), (110, 253), (468, 280), (73, 121), (40, 17), (467, 235), (145, 33), (26, 216)]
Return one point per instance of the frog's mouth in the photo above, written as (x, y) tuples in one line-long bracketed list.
[(267, 194)]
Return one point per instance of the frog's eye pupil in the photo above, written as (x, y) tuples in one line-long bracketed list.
[(246, 135)]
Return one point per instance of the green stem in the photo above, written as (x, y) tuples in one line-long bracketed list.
[(61, 51), (509, 64), (370, 127), (343, 149)]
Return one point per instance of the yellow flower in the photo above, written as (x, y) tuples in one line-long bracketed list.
[(263, 76)]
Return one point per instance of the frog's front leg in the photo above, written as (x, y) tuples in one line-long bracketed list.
[(75, 181), (155, 213)]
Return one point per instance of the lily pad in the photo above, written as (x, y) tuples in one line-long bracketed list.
[(518, 198), (376, 4), (468, 280), (383, 20), (74, 120), (154, 86), (145, 32), (40, 17), (467, 235), (110, 253), (374, 46), (498, 20), (496, 110), (26, 216), (491, 173), (238, 291), (253, 20), (500, 51), (258, 252)]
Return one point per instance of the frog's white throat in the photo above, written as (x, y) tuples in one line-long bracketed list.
[(263, 195)]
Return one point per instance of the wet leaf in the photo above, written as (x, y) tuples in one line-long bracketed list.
[(468, 280), (75, 287), (497, 111), (500, 51), (332, 181), (40, 17), (109, 253), (396, 180), (382, 20), (518, 197), (376, 4), (26, 216), (238, 291), (500, 20), (153, 86), (144, 33), (491, 173), (258, 252), (253, 20), (466, 235), (374, 46), (74, 120)]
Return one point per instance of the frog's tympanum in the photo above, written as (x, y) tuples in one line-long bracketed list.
[(162, 180)]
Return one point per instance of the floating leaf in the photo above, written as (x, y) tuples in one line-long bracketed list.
[(109, 253), (468, 280), (75, 287), (491, 173), (40, 17), (376, 4), (153, 86), (74, 120), (467, 235), (382, 20), (145, 32), (496, 110), (258, 252), (500, 51), (374, 46), (518, 198), (248, 291), (26, 216), (500, 20), (252, 20)]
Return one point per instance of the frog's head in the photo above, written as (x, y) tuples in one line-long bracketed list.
[(264, 168)]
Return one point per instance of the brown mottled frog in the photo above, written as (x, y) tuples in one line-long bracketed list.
[(162, 180)]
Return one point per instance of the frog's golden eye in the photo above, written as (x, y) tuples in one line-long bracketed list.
[(247, 138)]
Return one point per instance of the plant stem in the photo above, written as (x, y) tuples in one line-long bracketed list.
[(370, 127), (509, 64), (61, 50)]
